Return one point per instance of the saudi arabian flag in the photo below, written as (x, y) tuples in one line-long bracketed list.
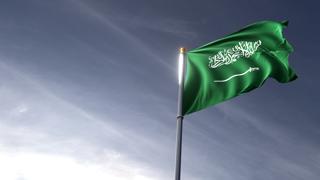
[(235, 64)]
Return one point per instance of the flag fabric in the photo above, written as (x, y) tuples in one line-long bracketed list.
[(236, 64)]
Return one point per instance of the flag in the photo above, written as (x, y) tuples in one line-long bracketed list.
[(236, 64)]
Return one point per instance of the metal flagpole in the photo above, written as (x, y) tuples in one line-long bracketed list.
[(179, 114)]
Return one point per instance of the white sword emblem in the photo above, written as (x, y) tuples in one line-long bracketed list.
[(251, 69)]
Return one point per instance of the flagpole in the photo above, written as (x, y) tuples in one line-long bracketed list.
[(179, 113)]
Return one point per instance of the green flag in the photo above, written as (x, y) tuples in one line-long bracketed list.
[(235, 64)]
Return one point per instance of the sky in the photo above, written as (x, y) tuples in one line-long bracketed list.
[(88, 90)]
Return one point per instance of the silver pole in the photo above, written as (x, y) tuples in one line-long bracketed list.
[(179, 114)]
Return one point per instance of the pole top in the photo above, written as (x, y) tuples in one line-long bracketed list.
[(182, 50)]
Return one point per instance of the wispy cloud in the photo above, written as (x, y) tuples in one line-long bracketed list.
[(38, 166), (41, 128), (175, 27), (136, 42)]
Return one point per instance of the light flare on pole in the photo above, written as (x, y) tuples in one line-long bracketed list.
[(181, 71), (180, 65)]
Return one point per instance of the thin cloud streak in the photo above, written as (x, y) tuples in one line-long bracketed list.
[(52, 96), (134, 40), (42, 137)]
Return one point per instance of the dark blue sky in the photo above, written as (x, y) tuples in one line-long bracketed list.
[(88, 90)]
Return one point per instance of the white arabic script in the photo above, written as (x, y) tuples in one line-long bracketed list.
[(227, 56)]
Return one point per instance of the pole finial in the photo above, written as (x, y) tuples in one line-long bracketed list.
[(182, 50)]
